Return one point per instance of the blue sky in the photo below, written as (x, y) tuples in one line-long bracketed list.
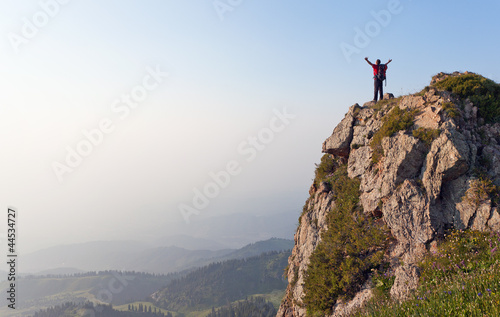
[(228, 73)]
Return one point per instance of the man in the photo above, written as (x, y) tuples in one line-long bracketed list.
[(379, 77)]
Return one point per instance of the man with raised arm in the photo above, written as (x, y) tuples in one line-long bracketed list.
[(379, 77)]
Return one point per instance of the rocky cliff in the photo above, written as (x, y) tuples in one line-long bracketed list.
[(425, 163)]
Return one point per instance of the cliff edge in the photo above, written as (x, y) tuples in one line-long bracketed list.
[(414, 167)]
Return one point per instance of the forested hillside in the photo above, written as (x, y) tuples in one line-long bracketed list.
[(219, 283)]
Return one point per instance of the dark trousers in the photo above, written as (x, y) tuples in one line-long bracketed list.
[(377, 84)]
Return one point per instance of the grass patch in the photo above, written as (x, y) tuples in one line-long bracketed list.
[(483, 92), (353, 245), (481, 190), (423, 91), (461, 279), (396, 120), (324, 168), (426, 135), (381, 104), (451, 110)]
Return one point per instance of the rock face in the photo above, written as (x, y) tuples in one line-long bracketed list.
[(420, 186)]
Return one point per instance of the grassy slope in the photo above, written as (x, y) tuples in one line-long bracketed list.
[(461, 279)]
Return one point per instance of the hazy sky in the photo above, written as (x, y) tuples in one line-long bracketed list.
[(98, 142)]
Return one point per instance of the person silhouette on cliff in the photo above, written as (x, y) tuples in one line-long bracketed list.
[(378, 76)]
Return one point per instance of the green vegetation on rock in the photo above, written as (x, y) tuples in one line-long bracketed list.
[(350, 249), (451, 110), (480, 190), (324, 169), (426, 135), (396, 120), (484, 93)]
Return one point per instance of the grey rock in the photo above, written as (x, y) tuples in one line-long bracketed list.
[(340, 140), (359, 161), (407, 214), (404, 158), (491, 155), (405, 282), (447, 160), (494, 221)]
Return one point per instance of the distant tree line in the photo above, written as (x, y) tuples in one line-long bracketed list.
[(104, 273), (142, 308), (88, 309), (253, 307)]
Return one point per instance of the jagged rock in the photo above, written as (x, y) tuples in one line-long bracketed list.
[(404, 157), (307, 237), (312, 189), (474, 214), (429, 118), (370, 196), (359, 161), (412, 102), (494, 221), (448, 158), (362, 134), (340, 140), (453, 193), (491, 155), (407, 214), (418, 190), (342, 309), (406, 281)]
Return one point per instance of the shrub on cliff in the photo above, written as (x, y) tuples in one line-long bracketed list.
[(396, 120), (353, 245), (483, 92)]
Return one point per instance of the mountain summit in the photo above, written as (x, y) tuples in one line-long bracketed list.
[(396, 176)]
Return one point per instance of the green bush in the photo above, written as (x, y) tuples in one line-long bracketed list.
[(483, 92), (353, 245), (393, 122), (451, 110), (426, 135), (480, 190), (324, 168), (385, 103)]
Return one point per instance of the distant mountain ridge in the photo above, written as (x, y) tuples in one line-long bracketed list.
[(59, 286), (136, 256)]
